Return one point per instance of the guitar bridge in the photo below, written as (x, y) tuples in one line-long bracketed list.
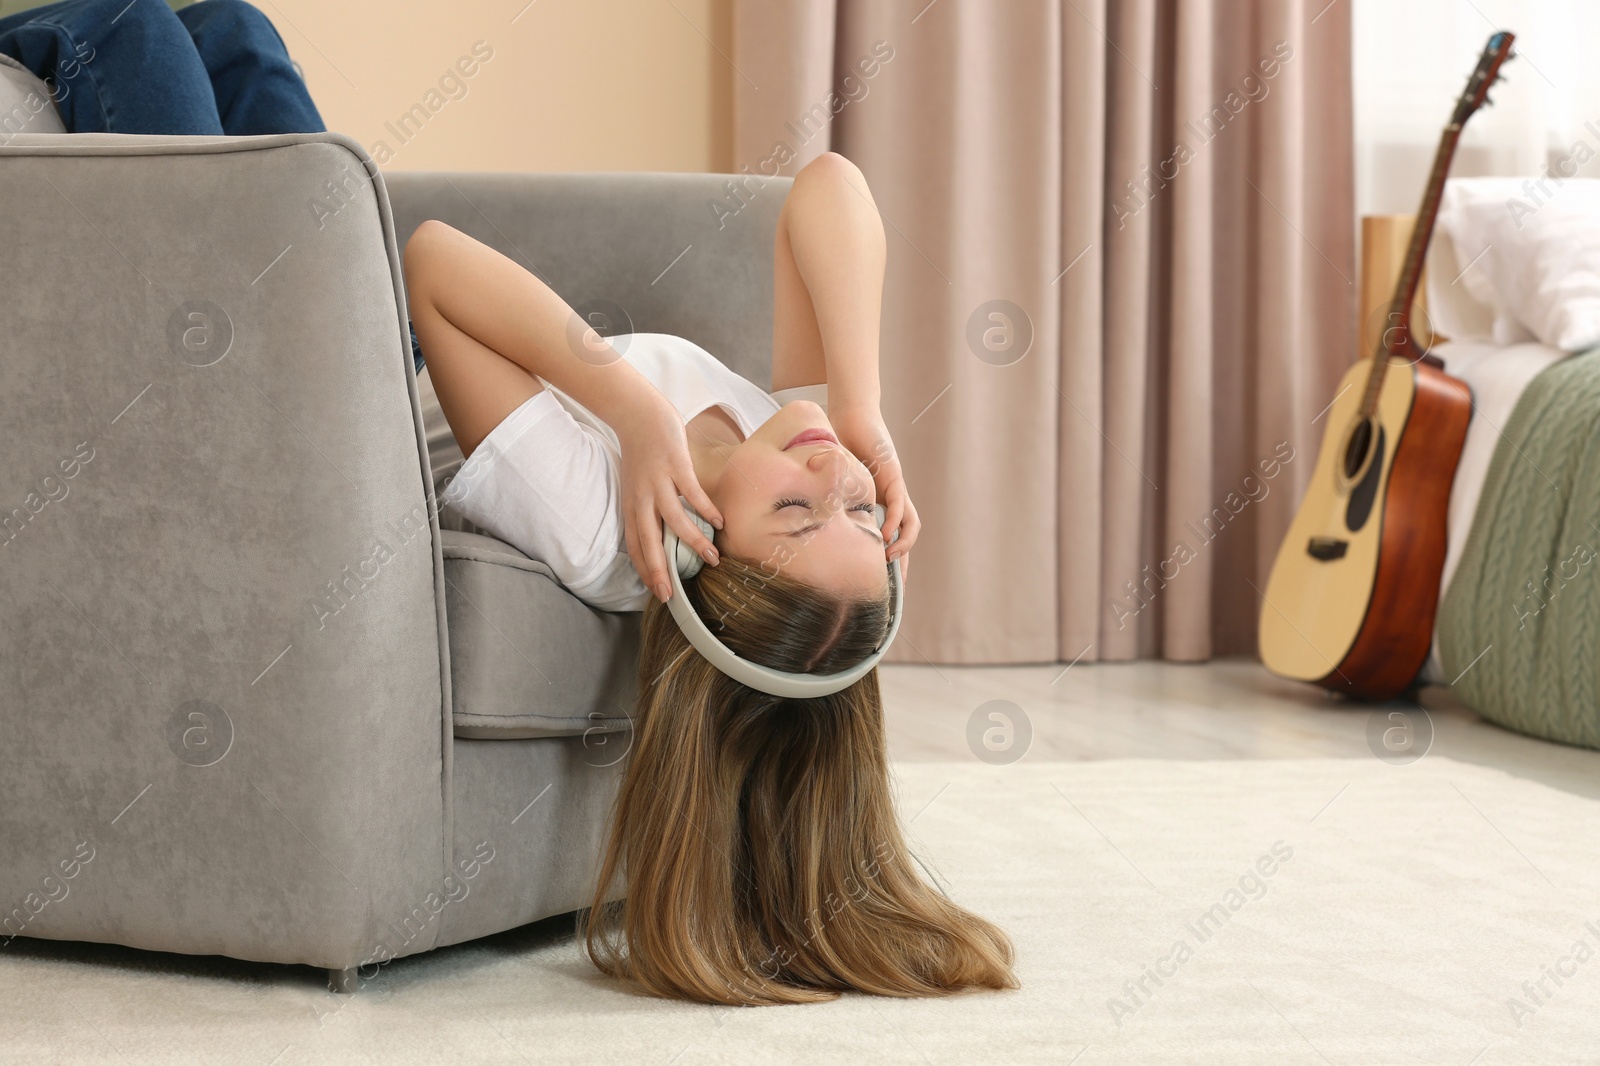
[(1327, 548)]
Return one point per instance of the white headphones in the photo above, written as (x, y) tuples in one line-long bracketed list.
[(686, 563)]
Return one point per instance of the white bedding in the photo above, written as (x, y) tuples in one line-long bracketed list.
[(1497, 374)]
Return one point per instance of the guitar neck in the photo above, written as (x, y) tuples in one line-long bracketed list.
[(1396, 339)]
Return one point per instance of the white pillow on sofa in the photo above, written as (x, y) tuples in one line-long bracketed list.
[(1534, 256), (26, 105)]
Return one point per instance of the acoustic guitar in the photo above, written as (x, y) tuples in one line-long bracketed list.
[(1355, 587)]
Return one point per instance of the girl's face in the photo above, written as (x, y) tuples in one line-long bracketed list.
[(795, 500)]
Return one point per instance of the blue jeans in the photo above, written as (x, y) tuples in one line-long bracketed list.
[(213, 68)]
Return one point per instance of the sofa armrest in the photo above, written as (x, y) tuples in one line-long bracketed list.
[(224, 637), (686, 254)]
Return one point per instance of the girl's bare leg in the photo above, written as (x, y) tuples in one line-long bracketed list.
[(827, 277)]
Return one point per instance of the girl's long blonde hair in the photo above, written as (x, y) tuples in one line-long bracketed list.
[(756, 835)]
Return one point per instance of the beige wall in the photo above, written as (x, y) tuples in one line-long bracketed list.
[(568, 85)]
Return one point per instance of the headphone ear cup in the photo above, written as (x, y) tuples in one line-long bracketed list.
[(686, 559), (687, 562)]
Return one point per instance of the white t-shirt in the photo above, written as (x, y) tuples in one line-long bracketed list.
[(546, 479)]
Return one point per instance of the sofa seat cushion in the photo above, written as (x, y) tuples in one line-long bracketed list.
[(527, 658)]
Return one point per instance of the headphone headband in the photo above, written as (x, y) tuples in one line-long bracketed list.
[(686, 563)]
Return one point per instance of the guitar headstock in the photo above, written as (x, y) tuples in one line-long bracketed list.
[(1476, 94)]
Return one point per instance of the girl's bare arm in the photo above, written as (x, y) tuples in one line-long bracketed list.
[(488, 328), (827, 277)]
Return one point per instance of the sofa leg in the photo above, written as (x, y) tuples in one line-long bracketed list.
[(343, 981)]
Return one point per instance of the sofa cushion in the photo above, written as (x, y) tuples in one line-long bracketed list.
[(527, 658), (26, 104)]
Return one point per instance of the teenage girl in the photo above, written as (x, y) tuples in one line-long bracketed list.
[(756, 835)]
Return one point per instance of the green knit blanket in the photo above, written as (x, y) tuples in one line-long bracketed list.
[(1519, 628)]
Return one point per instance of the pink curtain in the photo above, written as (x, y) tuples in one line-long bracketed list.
[(1120, 289)]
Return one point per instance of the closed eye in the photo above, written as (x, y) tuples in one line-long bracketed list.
[(803, 530), (792, 502)]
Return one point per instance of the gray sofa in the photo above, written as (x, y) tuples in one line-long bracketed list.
[(263, 697)]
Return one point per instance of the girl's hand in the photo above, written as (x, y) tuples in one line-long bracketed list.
[(655, 471), (861, 429)]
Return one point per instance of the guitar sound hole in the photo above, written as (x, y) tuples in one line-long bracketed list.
[(1365, 494), (1355, 451)]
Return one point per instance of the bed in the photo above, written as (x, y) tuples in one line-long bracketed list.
[(1498, 375), (1517, 635)]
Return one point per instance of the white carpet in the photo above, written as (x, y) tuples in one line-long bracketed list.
[(1416, 903)]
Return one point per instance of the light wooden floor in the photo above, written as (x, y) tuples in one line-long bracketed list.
[(1226, 709)]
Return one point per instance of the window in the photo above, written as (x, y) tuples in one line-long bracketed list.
[(1411, 62)]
